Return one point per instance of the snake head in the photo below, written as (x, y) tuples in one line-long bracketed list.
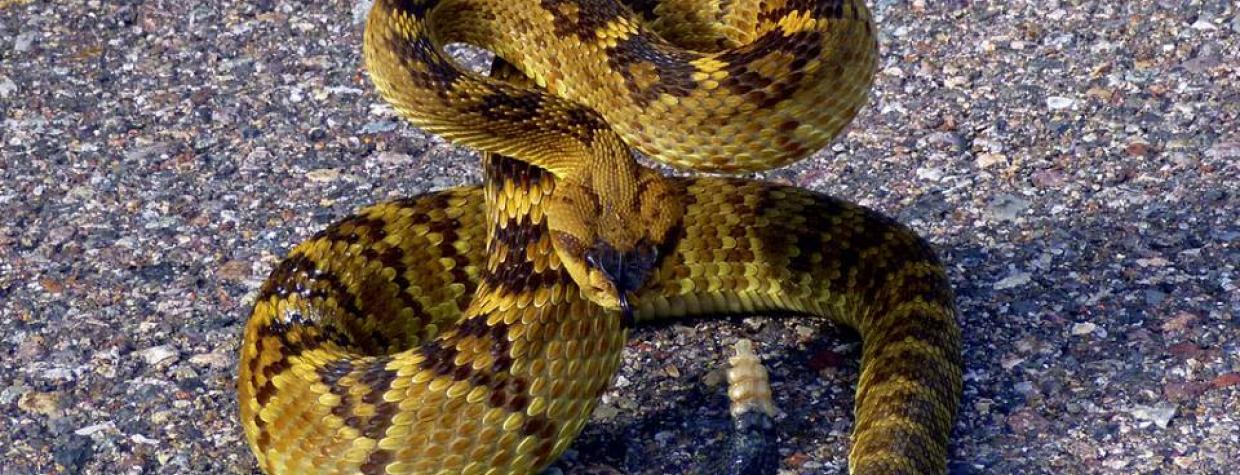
[(608, 238)]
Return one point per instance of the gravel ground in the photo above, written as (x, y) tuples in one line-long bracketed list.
[(1077, 163)]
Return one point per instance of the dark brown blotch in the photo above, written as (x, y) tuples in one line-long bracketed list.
[(265, 392), (513, 276), (539, 426), (299, 274), (644, 8), (591, 15), (276, 367), (673, 66), (264, 437), (378, 378), (436, 72), (822, 9), (509, 106), (582, 124), (376, 427), (377, 461), (500, 167), (330, 374), (762, 90), (919, 407), (438, 357), (414, 8), (355, 228), (933, 330)]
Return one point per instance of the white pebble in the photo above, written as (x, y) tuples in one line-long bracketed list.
[(1059, 102), (1085, 328), (159, 354), (1160, 414), (93, 428)]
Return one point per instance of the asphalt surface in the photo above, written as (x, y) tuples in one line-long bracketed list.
[(1076, 163)]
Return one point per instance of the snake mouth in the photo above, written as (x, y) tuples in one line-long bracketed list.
[(626, 271)]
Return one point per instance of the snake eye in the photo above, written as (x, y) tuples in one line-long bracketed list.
[(593, 260)]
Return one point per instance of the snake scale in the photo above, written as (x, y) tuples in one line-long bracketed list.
[(473, 330)]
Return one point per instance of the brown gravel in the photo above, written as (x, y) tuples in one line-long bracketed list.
[(1077, 163)]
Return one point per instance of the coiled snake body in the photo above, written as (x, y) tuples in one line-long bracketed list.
[(473, 330)]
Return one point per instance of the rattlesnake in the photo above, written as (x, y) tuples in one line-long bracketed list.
[(472, 330)]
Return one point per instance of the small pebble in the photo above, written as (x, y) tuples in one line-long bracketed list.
[(160, 355), (1059, 103), (1084, 328), (1160, 414)]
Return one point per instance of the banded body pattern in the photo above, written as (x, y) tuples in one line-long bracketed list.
[(750, 247), (362, 356), (506, 382), (787, 76)]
